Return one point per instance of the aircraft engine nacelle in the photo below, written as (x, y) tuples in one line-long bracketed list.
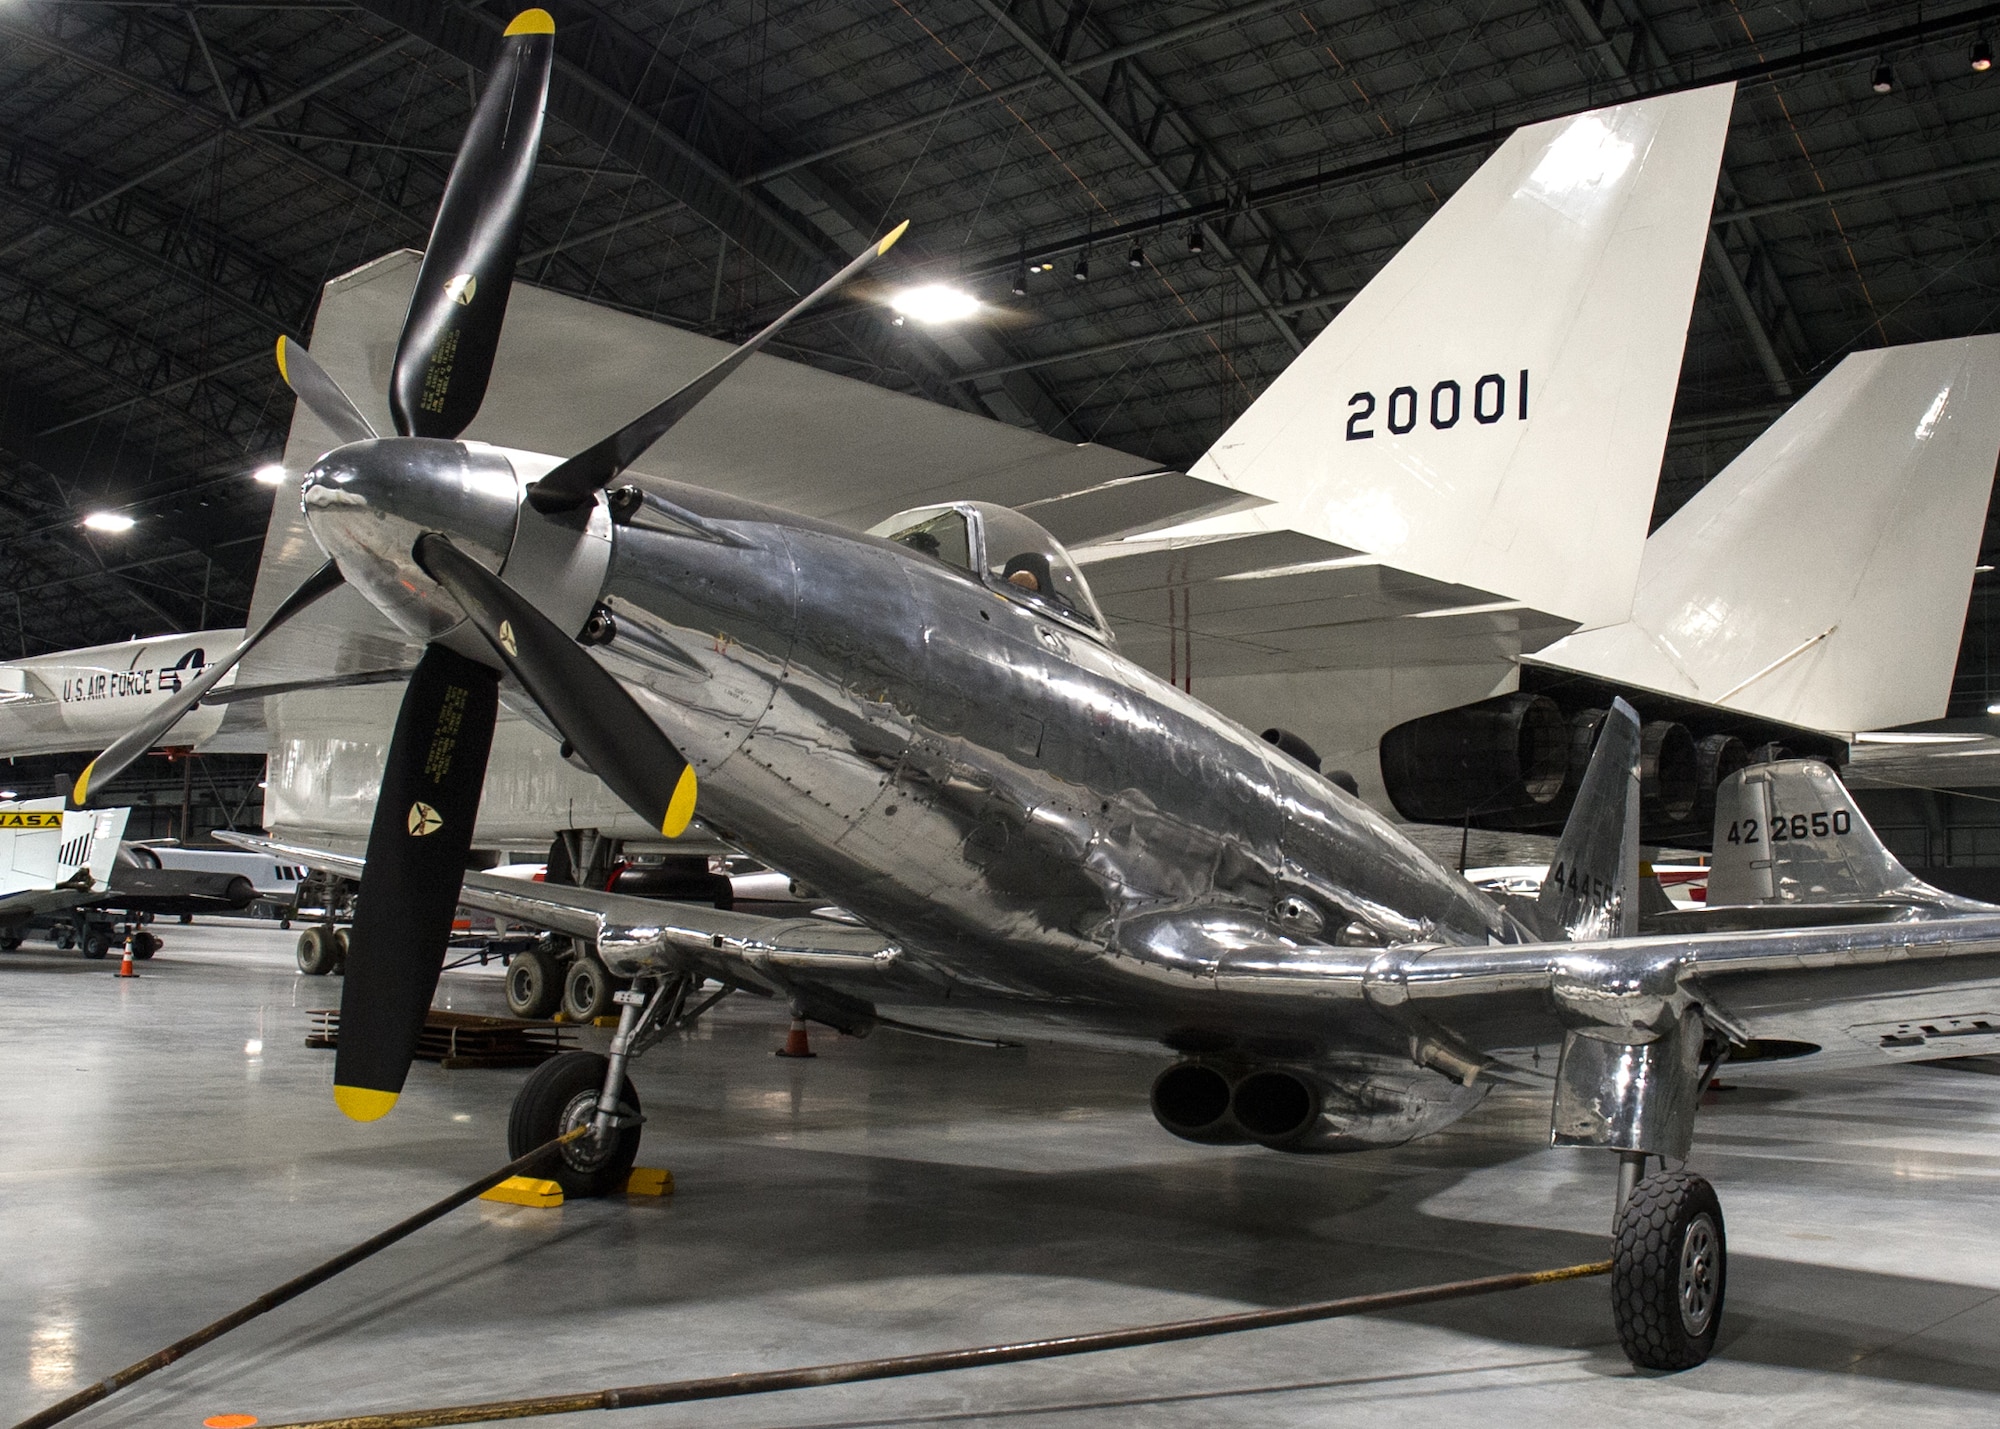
[(1510, 753), (1316, 1111), (1516, 761)]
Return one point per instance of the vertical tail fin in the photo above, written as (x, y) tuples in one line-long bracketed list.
[(1821, 577), (1489, 411), (1592, 886), (1790, 832)]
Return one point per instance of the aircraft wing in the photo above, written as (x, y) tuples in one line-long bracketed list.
[(830, 966), (36, 902)]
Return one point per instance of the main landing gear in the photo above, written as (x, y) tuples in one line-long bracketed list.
[(579, 1088), (1669, 1268)]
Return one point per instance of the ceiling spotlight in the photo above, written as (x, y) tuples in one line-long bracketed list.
[(1993, 709), (1982, 57), (1194, 243), (1082, 270), (935, 303), (1136, 258), (1884, 81), (270, 474), (108, 521), (1982, 570)]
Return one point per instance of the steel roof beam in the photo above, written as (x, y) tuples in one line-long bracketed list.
[(608, 87), (1477, 145), (1140, 154), (186, 105)]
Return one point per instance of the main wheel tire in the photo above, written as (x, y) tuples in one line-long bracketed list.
[(144, 945), (1669, 1269), (97, 943), (535, 983), (63, 937), (340, 946), (561, 1094), (10, 942), (316, 952), (587, 990)]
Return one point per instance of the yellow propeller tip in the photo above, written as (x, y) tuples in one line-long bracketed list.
[(82, 790), (283, 371), (890, 242), (363, 1103), (680, 808), (532, 22)]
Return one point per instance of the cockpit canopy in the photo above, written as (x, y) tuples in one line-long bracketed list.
[(1006, 550)]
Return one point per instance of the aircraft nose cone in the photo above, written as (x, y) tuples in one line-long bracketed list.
[(369, 501)]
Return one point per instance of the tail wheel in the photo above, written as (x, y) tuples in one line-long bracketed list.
[(316, 952), (562, 1094), (1669, 1269), (534, 983)]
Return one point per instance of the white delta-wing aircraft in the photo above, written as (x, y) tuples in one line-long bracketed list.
[(1036, 833)]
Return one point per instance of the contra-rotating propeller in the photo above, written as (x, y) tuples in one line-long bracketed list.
[(424, 816)]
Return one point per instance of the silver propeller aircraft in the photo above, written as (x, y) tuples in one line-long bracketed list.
[(1035, 833)]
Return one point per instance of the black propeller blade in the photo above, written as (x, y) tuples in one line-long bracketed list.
[(135, 742), (417, 849), (591, 470), (600, 720), (321, 394), (445, 355)]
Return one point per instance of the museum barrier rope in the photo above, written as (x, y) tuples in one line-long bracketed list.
[(293, 1288), (682, 1391)]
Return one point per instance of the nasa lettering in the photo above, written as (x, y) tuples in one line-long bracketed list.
[(1485, 404)]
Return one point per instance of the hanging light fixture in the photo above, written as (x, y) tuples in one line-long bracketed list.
[(1082, 270), (1982, 56), (1020, 286), (1885, 79), (1194, 243), (1136, 258)]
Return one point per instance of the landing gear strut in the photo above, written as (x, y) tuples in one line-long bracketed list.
[(580, 1088), (1670, 1262)]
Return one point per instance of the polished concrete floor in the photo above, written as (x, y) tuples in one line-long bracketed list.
[(170, 1150)]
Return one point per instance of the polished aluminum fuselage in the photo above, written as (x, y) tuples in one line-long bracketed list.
[(1036, 819)]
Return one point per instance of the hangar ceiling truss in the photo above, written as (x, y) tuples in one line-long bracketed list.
[(180, 179)]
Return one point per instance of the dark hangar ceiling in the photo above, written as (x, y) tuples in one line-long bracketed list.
[(180, 179)]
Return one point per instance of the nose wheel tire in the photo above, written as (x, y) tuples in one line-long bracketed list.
[(1669, 1268), (561, 1094), (534, 983)]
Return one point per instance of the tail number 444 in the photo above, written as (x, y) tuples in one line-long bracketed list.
[(1486, 403)]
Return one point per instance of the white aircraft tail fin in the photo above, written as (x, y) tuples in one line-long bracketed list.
[(1592, 886), (1790, 832), (31, 834), (90, 844), (1821, 578), (1491, 409)]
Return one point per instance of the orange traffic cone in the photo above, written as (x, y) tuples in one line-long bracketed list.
[(795, 1041), (125, 968)]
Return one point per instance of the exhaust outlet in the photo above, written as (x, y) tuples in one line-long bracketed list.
[(1192, 1101), (1275, 1107)]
